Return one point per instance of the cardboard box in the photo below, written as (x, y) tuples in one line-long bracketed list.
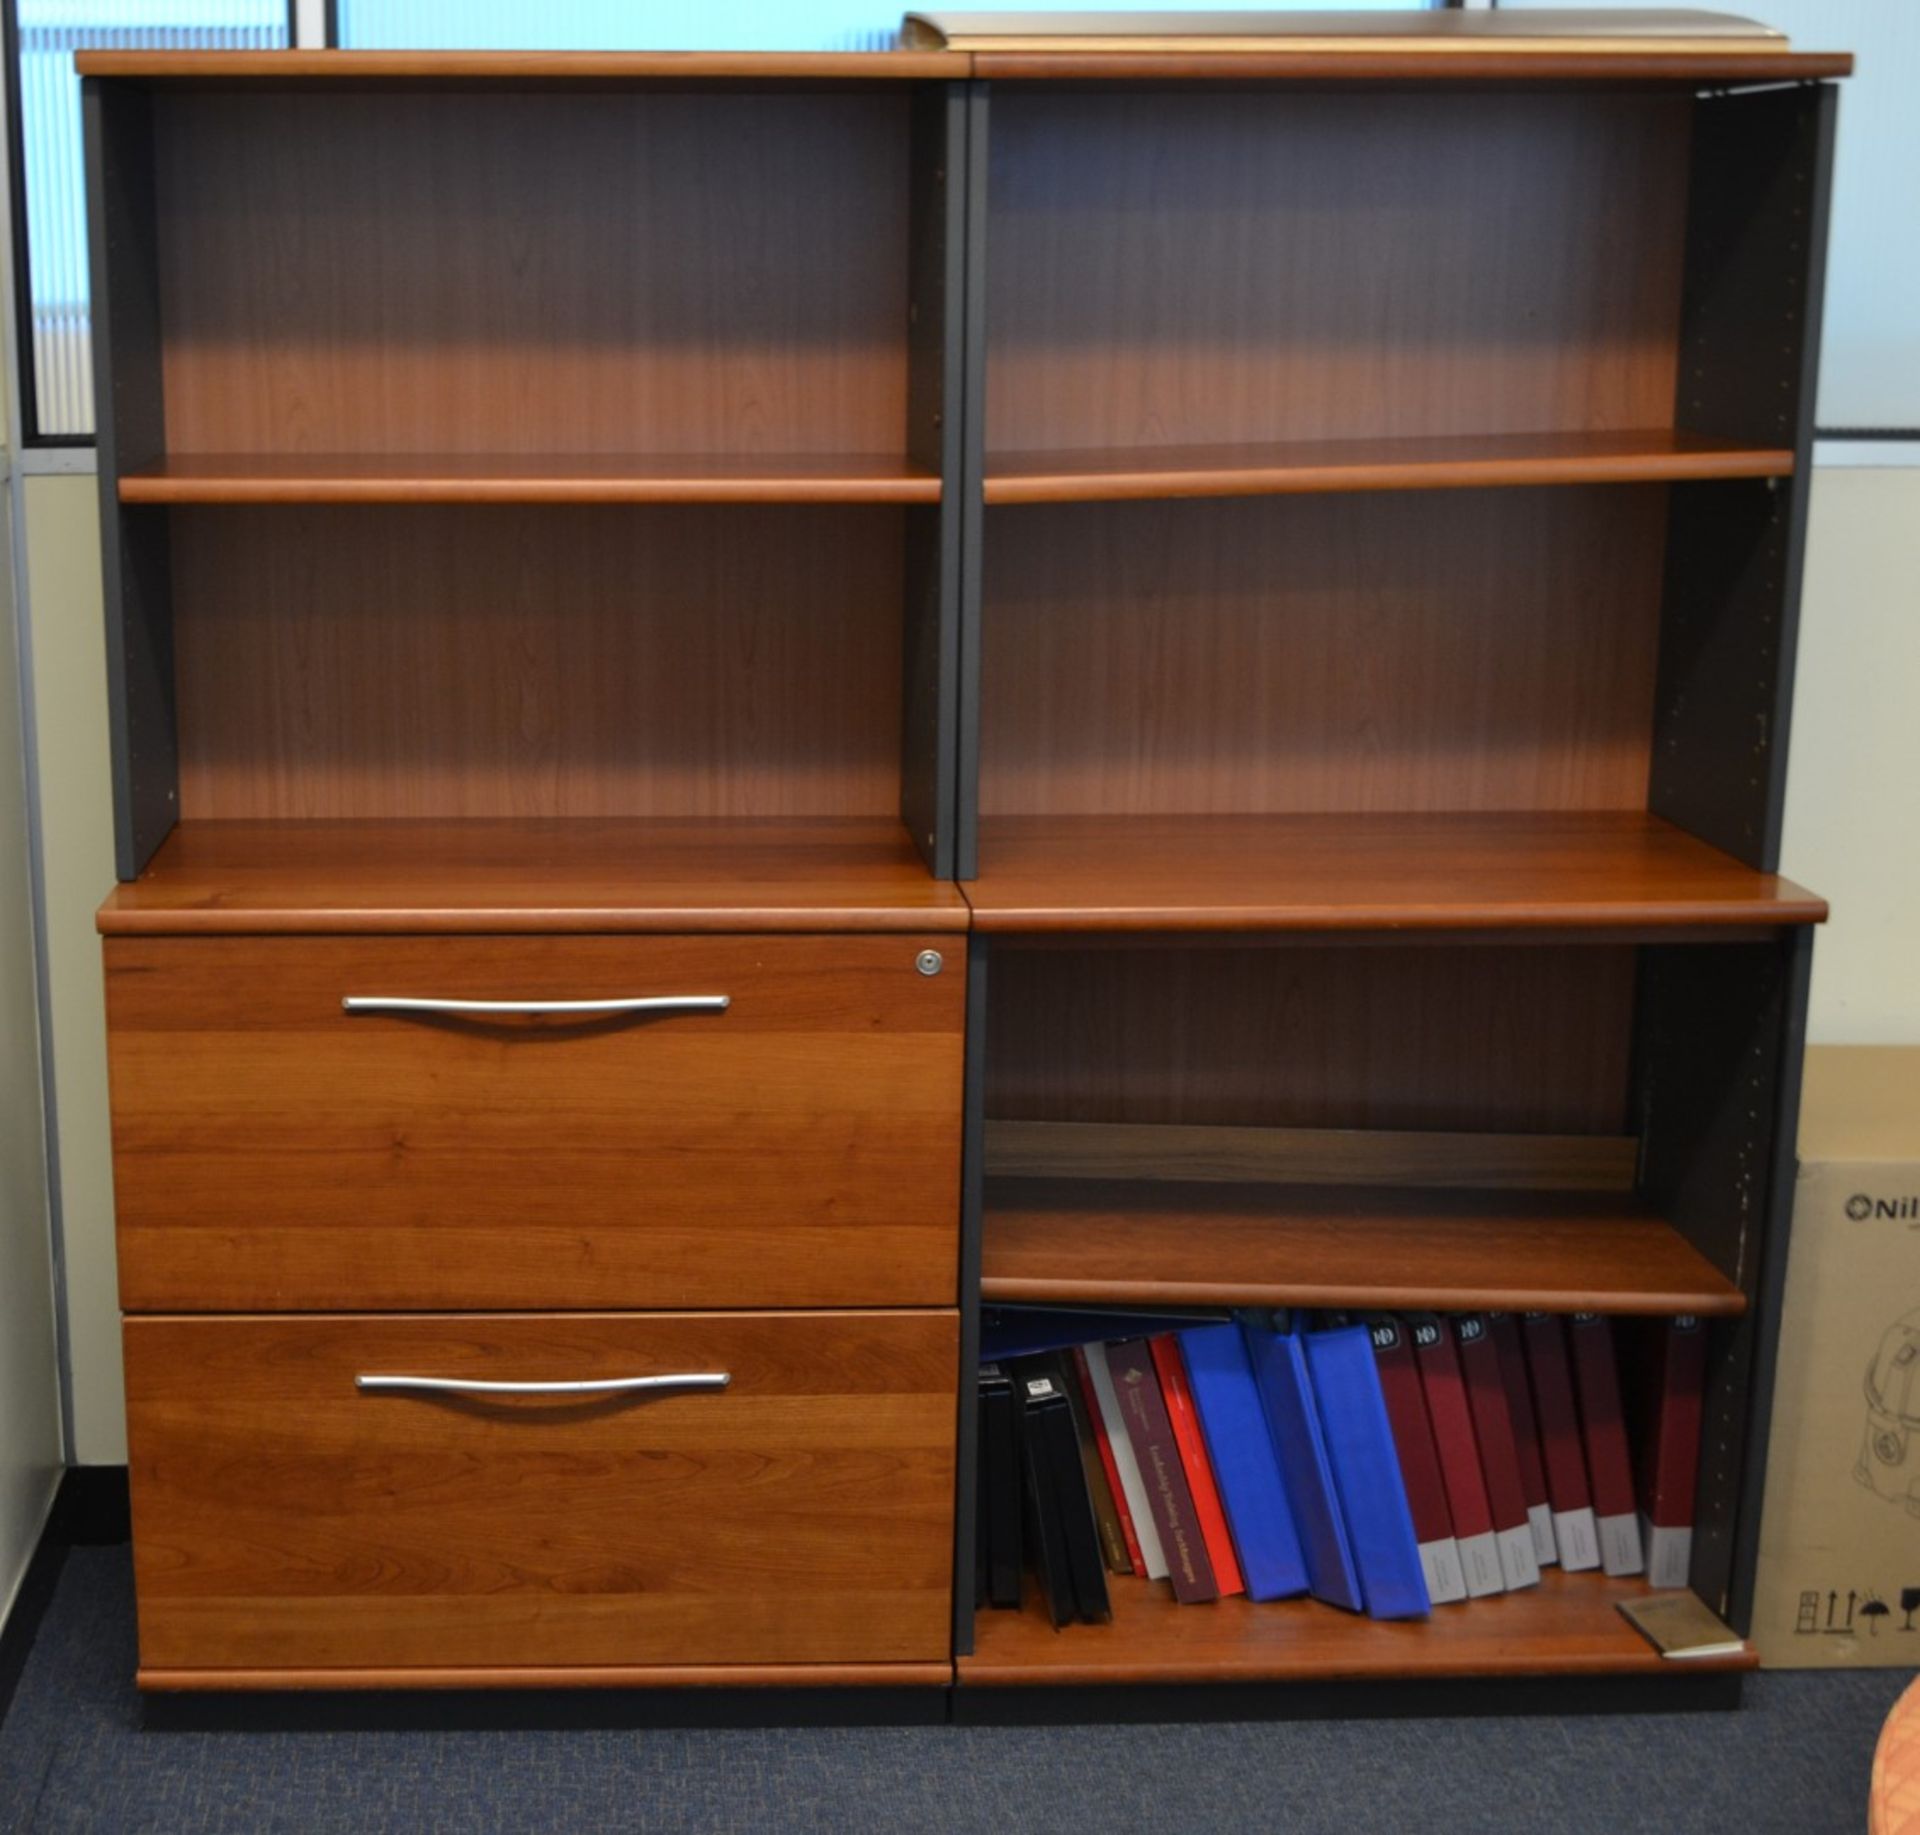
[(1839, 1577)]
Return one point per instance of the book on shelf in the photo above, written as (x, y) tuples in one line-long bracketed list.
[(1244, 1463), (1286, 1392), (1132, 1562), (1106, 1520), (1445, 1390), (1045, 1535), (1505, 1330), (1366, 1472), (1000, 1489), (1133, 1484), (1168, 1495), (1550, 1377), (1499, 1458), (1603, 1432), (1071, 1572), (1383, 1463), (1681, 1625), (1174, 1391), (1668, 1377), (1419, 1460)]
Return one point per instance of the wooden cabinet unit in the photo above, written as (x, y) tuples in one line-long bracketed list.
[(760, 699)]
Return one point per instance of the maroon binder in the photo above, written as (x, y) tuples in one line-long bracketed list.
[(1446, 1393), (1499, 1462), (1596, 1386)]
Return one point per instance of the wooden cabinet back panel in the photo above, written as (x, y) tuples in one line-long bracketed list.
[(285, 1519), (274, 1152), (546, 273), (1174, 267)]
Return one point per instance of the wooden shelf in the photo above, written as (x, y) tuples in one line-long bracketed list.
[(573, 874), (1568, 1625), (1151, 1243), (243, 477), (1290, 467), (1610, 870)]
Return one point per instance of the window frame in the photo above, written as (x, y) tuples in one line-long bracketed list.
[(26, 379)]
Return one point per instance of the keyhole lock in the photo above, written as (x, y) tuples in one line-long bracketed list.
[(929, 962)]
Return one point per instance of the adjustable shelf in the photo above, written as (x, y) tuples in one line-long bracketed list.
[(241, 477), (1128, 1243), (531, 874), (1617, 871), (1567, 1625), (1448, 462)]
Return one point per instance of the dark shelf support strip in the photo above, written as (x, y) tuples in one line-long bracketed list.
[(129, 406)]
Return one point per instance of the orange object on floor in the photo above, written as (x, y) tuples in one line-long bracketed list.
[(1893, 1799)]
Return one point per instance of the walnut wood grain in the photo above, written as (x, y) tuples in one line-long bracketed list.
[(588, 272), (317, 69), (1567, 1625), (579, 1675), (1378, 653), (1185, 268), (1450, 462), (503, 662), (563, 875), (287, 1520), (1461, 1040), (262, 70), (1480, 68), (1590, 870), (1078, 1150), (1130, 1243), (272, 1151), (245, 477)]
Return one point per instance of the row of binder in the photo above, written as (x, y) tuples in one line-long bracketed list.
[(1386, 1465)]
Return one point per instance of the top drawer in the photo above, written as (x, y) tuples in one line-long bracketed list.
[(275, 1151)]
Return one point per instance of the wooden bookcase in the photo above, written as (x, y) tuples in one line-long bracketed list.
[(1381, 612), (1200, 646)]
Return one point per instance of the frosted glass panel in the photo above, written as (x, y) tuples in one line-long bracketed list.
[(1870, 350), (50, 32)]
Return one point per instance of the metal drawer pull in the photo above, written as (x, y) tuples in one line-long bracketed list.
[(612, 1385), (657, 1003)]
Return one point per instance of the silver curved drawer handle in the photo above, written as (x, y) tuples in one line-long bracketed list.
[(655, 1003), (612, 1385)]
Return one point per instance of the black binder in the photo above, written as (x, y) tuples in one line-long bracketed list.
[(1072, 1573), (1000, 1487)]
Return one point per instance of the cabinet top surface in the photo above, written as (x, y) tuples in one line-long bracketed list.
[(1358, 60), (577, 874)]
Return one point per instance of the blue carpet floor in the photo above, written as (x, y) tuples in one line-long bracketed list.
[(1795, 1758)]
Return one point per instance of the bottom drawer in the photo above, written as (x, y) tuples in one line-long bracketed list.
[(290, 1517)]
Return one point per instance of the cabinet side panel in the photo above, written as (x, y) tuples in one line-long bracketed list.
[(1718, 1075), (936, 431), (1756, 262), (117, 129)]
